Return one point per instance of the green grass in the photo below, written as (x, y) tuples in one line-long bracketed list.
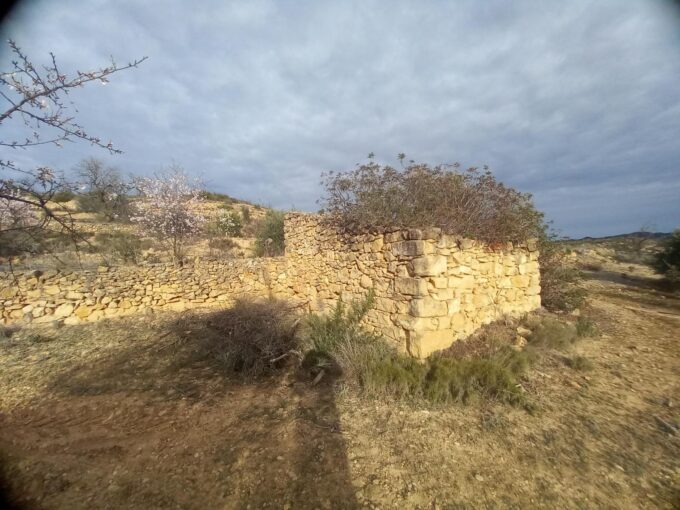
[(553, 334), (370, 363)]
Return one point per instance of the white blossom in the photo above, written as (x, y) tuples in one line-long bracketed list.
[(172, 209)]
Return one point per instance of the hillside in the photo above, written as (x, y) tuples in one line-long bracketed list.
[(97, 247)]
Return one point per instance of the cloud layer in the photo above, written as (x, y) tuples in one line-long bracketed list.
[(577, 102)]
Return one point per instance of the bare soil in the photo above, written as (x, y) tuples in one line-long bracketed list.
[(119, 415)]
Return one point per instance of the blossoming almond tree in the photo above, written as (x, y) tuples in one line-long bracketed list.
[(37, 106), (171, 209)]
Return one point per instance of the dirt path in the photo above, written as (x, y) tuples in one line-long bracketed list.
[(110, 416)]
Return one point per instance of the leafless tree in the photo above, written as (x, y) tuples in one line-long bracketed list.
[(37, 101), (103, 188)]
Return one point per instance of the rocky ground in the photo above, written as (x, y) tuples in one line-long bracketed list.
[(114, 415)]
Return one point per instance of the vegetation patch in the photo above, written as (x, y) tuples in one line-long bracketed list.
[(252, 338), (371, 364), (269, 240)]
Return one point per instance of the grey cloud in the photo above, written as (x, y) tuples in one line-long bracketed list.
[(576, 102)]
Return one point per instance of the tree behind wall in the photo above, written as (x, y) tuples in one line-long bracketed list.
[(170, 209), (103, 190)]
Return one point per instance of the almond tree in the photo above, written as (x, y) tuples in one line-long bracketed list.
[(170, 209), (37, 101)]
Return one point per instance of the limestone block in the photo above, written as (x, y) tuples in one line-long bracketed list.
[(63, 310), (520, 281), (440, 282), (453, 306), (83, 311), (366, 282), (443, 294), (427, 307), (533, 291), (432, 265), (423, 343), (411, 248), (52, 290), (411, 323), (462, 282), (481, 300), (410, 286)]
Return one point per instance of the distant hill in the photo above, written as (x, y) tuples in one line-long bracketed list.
[(645, 235)]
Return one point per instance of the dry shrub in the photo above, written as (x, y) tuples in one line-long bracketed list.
[(560, 281), (252, 338), (667, 262), (470, 203)]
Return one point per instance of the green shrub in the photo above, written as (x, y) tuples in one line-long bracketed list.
[(668, 261), (226, 222), (63, 196), (123, 246), (370, 363), (217, 197), (269, 240), (108, 206), (553, 334), (245, 214)]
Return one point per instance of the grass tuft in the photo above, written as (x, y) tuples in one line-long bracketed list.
[(585, 327)]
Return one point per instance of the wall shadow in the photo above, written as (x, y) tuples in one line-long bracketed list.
[(275, 441)]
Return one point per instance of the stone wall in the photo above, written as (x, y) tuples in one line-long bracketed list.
[(430, 288), (86, 296)]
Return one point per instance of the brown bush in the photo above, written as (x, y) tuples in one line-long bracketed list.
[(249, 338), (470, 203), (560, 281)]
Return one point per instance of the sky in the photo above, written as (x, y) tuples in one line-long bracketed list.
[(576, 102)]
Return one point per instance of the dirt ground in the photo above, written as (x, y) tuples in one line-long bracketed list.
[(113, 415)]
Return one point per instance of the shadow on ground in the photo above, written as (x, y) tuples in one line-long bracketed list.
[(181, 432)]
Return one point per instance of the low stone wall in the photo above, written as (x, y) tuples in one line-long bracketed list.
[(87, 296), (430, 288)]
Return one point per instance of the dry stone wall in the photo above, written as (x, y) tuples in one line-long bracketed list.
[(430, 288), (87, 296)]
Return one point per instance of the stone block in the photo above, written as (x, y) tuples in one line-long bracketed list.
[(409, 248), (63, 310), (410, 286), (432, 265), (422, 344), (427, 307)]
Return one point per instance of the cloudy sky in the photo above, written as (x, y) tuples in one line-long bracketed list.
[(577, 102)]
